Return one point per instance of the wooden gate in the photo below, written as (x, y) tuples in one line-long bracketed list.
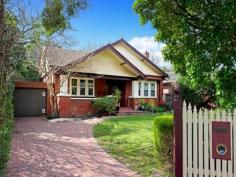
[(30, 99), (193, 144), (197, 144), (29, 102)]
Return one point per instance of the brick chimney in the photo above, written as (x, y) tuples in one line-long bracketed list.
[(146, 54)]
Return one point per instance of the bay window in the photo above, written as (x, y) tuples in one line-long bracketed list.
[(145, 89), (153, 89), (82, 87)]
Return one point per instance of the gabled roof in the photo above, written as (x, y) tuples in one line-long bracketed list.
[(108, 46), (140, 54), (57, 56), (75, 57)]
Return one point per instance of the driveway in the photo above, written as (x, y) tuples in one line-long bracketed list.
[(56, 149)]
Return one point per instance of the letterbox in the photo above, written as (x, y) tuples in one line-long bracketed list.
[(221, 140)]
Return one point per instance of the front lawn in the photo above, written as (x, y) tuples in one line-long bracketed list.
[(130, 140)]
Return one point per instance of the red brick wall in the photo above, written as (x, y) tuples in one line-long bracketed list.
[(81, 107), (160, 90), (134, 102), (74, 107)]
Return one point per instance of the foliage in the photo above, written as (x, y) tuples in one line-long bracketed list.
[(117, 95), (201, 97), (105, 105), (5, 133), (130, 140), (146, 106), (163, 136), (56, 14), (200, 41)]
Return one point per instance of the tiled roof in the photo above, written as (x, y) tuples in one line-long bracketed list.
[(60, 57)]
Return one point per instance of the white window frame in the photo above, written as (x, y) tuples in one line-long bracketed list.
[(150, 89), (136, 86), (86, 86), (71, 86)]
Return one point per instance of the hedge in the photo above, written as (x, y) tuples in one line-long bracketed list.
[(5, 134), (163, 137)]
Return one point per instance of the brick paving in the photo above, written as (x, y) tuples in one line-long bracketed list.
[(59, 149)]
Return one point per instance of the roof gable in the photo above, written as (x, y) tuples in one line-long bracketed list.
[(130, 57), (137, 58), (105, 62)]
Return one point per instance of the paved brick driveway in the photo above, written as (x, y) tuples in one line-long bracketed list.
[(57, 149)]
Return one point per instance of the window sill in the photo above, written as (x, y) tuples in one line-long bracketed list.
[(142, 97), (82, 98)]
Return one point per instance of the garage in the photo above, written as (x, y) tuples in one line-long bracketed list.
[(30, 99)]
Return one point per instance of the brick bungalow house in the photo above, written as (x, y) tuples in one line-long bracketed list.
[(83, 77)]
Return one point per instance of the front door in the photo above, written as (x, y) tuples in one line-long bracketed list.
[(112, 85)]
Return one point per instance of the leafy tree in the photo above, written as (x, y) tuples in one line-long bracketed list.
[(200, 38), (22, 28)]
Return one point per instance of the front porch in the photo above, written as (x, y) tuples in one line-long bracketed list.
[(81, 90)]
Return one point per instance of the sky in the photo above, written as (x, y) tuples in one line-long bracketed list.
[(105, 21)]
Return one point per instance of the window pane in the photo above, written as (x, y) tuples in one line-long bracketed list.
[(152, 86), (152, 92), (74, 91), (145, 89), (145, 86), (145, 92), (90, 83), (74, 82), (139, 89), (82, 91), (82, 83), (90, 91)]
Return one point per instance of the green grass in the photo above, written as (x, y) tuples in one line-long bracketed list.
[(130, 140)]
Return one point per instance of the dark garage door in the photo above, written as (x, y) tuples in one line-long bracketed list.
[(29, 102)]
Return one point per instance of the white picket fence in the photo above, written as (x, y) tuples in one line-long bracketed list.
[(197, 143)]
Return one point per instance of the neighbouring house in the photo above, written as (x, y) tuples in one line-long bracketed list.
[(82, 77), (168, 91)]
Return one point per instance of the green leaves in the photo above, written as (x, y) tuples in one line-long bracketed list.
[(57, 13), (200, 38), (53, 18)]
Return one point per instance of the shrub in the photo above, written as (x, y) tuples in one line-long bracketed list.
[(163, 137), (5, 134), (105, 105), (160, 109)]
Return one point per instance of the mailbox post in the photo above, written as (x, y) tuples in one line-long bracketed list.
[(221, 140)]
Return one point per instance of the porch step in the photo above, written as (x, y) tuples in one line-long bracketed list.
[(129, 111)]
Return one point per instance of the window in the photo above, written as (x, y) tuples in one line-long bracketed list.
[(74, 86), (82, 87), (90, 87), (145, 89), (153, 89), (139, 88)]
